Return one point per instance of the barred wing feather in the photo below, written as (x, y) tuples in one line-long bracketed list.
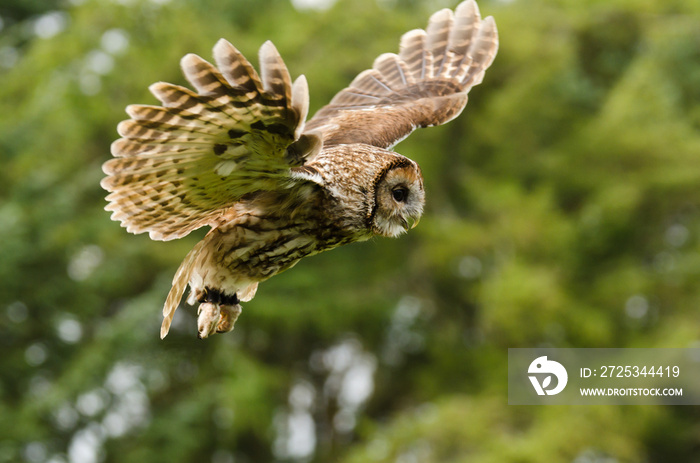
[(426, 84), (178, 166)]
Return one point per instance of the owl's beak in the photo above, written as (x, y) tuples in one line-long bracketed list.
[(406, 223)]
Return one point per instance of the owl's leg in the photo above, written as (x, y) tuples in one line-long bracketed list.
[(230, 310), (209, 314), (217, 312), (229, 315)]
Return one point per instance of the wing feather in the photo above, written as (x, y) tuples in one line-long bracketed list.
[(393, 71), (178, 166), (274, 74), (438, 35), (236, 68), (426, 84)]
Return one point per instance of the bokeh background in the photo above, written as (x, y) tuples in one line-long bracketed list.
[(563, 211)]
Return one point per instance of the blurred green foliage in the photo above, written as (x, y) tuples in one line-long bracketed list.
[(563, 210)]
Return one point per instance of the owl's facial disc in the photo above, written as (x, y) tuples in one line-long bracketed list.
[(399, 201)]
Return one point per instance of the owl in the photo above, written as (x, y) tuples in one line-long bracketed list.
[(239, 156)]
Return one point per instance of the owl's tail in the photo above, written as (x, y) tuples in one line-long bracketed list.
[(180, 281)]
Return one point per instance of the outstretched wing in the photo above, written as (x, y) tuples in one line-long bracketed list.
[(426, 84), (180, 165)]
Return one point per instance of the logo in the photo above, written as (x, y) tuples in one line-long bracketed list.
[(541, 366)]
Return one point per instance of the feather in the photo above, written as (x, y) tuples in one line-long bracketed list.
[(426, 84), (179, 165), (180, 280), (236, 154)]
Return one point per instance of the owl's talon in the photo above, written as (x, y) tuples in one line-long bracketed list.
[(229, 315), (209, 315)]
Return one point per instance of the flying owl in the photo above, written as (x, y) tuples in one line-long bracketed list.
[(239, 156)]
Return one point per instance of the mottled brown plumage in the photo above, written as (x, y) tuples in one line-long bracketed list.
[(237, 155)]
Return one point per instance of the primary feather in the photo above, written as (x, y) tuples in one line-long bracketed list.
[(180, 165), (426, 84)]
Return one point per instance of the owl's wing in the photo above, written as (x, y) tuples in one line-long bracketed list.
[(426, 84), (178, 166)]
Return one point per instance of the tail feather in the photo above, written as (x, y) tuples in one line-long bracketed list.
[(180, 281)]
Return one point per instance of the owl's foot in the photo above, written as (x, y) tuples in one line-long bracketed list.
[(229, 315), (217, 312), (208, 318)]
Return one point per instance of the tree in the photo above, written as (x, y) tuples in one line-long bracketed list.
[(562, 211)]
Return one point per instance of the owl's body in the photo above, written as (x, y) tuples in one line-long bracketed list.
[(271, 231), (239, 157)]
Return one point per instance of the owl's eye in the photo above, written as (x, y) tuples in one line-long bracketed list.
[(400, 194)]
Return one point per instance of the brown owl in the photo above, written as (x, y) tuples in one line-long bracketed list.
[(239, 156)]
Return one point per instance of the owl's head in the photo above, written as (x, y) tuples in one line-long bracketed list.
[(399, 199)]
